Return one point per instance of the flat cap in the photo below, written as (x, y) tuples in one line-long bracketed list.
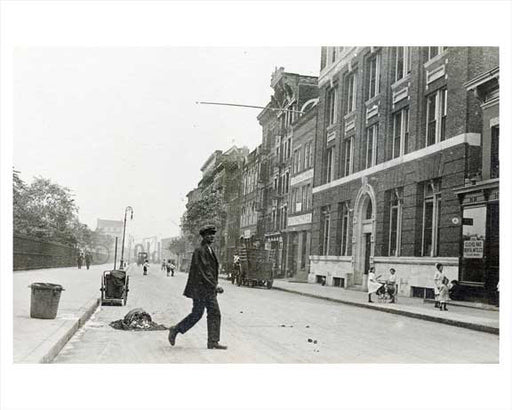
[(207, 229)]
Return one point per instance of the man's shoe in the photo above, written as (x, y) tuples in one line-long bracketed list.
[(216, 345), (173, 332)]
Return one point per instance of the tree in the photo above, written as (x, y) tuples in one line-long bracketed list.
[(179, 246), (46, 210), (208, 209)]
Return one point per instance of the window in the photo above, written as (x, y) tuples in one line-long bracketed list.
[(402, 62), (329, 169), (395, 222), (274, 219), (286, 182), (296, 159), (436, 116), (326, 230), (369, 146), (285, 217), (474, 227), (350, 87), (310, 154), (434, 51), (495, 151), (305, 162), (431, 212), (347, 156), (344, 221), (400, 133), (333, 55), (331, 105), (373, 72)]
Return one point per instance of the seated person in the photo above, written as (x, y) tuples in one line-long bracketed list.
[(455, 292)]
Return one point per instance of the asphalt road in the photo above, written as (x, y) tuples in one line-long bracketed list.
[(270, 326)]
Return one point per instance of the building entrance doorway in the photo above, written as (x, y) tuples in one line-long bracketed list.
[(364, 233)]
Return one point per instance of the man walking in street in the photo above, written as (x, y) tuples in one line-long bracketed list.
[(79, 260), (202, 287)]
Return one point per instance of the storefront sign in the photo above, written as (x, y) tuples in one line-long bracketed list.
[(473, 249), (247, 233)]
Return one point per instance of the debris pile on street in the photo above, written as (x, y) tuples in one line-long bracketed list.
[(137, 319)]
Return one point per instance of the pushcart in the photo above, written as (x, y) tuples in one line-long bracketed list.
[(114, 287), (254, 268)]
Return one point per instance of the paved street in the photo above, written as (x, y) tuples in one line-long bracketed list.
[(270, 326)]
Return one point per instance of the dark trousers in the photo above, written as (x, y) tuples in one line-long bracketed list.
[(212, 317)]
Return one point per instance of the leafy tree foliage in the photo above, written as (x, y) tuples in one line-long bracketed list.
[(208, 209), (46, 210)]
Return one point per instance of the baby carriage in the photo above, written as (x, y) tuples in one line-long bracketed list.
[(387, 292), (114, 287)]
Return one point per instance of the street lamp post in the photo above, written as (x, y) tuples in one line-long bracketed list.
[(124, 229)]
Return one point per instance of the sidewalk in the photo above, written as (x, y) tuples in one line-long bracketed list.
[(474, 316), (40, 340)]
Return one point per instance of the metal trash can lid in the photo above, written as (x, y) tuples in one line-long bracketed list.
[(41, 285)]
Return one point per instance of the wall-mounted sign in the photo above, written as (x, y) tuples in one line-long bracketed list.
[(474, 249), (455, 220)]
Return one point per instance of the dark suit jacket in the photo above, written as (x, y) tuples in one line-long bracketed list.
[(203, 275)]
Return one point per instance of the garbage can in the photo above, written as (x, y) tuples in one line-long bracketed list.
[(44, 301)]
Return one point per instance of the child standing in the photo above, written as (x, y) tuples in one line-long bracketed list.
[(443, 293), (145, 267)]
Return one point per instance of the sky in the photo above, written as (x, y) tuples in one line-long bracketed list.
[(120, 126)]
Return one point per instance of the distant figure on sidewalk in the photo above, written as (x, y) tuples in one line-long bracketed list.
[(438, 279), (164, 264), (79, 260), (145, 267), (202, 287), (373, 284), (87, 260), (170, 267), (443, 293)]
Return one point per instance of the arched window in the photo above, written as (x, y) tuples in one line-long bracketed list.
[(369, 208)]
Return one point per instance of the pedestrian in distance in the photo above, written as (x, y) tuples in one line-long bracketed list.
[(443, 293), (202, 287), (438, 279), (145, 267), (87, 260), (79, 260), (164, 264), (373, 284), (170, 268)]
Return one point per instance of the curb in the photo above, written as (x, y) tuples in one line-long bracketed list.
[(452, 322), (54, 350)]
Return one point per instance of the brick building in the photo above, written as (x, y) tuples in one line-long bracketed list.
[(479, 197), (301, 192), (397, 135), (291, 93)]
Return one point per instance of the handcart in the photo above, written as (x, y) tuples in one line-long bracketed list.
[(114, 287), (254, 268)]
